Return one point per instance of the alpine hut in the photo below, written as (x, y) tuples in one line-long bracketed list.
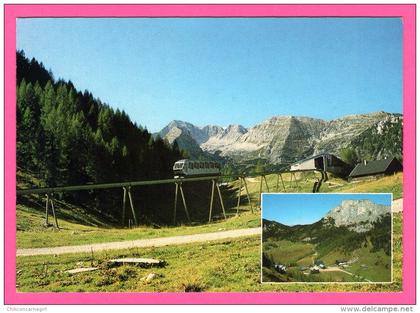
[(375, 169)]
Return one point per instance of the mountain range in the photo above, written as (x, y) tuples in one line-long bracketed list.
[(286, 139)]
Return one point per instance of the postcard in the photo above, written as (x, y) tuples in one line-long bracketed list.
[(195, 154)]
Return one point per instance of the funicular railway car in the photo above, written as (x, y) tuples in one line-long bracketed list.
[(191, 168)]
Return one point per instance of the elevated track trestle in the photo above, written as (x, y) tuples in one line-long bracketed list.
[(126, 186)]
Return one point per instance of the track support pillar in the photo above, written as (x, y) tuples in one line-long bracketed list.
[(178, 186)]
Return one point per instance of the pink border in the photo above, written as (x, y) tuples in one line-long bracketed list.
[(406, 12)]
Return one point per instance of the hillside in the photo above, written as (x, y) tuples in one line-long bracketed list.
[(67, 137)]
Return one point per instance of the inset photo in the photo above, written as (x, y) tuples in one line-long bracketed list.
[(326, 238)]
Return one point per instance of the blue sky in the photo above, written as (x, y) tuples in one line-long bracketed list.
[(225, 71), (300, 209)]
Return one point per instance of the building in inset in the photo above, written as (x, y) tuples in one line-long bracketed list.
[(314, 269), (280, 268)]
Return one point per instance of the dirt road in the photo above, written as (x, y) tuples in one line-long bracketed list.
[(157, 242), (337, 269), (334, 269), (142, 243)]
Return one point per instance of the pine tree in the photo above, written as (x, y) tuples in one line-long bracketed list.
[(68, 137), (28, 127)]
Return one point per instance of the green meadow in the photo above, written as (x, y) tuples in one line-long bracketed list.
[(225, 265)]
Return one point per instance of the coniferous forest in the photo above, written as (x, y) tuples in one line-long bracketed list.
[(68, 137)]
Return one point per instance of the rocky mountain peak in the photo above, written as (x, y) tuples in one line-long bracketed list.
[(236, 128), (172, 134), (212, 130), (180, 124), (357, 215), (185, 128)]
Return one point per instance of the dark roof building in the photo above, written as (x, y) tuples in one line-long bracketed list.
[(376, 168)]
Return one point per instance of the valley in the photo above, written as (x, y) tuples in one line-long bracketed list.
[(363, 266)]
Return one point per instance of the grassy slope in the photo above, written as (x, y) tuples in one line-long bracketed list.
[(219, 266), (392, 184), (304, 184), (229, 265), (305, 181), (31, 232), (378, 265), (287, 252)]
